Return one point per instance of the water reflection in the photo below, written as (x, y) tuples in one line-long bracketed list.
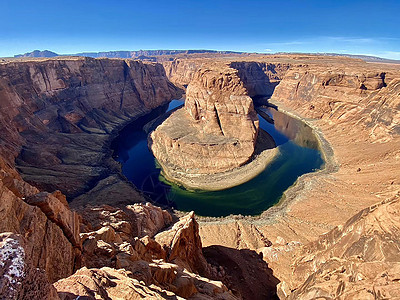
[(294, 129)]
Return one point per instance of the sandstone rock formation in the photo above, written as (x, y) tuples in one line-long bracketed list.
[(52, 246), (260, 78), (116, 237), (131, 221), (183, 244), (49, 103), (214, 133), (359, 260), (107, 283), (166, 266), (181, 71)]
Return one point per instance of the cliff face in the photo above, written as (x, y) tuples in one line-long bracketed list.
[(215, 131), (260, 78), (50, 246), (181, 71), (57, 116), (218, 100), (325, 90), (79, 102)]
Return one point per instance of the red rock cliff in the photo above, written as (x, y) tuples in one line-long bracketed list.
[(215, 132)]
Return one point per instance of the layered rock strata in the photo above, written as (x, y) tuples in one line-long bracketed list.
[(355, 105), (50, 229), (359, 259), (215, 132), (260, 78), (80, 102)]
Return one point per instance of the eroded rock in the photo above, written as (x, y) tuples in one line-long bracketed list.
[(214, 133), (170, 265), (164, 281), (183, 244), (359, 259)]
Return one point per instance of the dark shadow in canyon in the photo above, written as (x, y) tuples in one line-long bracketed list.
[(247, 275), (260, 79)]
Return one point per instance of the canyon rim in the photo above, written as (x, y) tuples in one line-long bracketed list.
[(74, 226)]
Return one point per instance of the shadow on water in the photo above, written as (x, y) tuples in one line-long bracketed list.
[(298, 154), (138, 163)]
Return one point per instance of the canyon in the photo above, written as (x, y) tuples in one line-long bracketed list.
[(73, 226), (216, 133)]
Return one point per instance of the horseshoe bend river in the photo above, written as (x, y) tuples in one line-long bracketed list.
[(299, 154)]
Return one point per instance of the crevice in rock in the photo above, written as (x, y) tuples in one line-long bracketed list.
[(218, 120)]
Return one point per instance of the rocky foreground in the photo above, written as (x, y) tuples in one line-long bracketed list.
[(72, 226)]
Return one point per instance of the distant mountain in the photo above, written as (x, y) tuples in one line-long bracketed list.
[(149, 53), (125, 54), (38, 53), (367, 58), (152, 54)]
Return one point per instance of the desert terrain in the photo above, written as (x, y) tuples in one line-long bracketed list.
[(74, 226)]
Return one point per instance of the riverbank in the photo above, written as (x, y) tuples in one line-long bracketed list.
[(292, 194)]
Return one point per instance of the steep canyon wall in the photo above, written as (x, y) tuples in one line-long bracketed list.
[(49, 104), (58, 116)]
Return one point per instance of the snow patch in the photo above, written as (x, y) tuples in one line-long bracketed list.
[(14, 255)]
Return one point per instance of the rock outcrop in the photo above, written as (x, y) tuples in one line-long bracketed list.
[(183, 245), (107, 283), (318, 91), (260, 78), (168, 265), (181, 71), (51, 240), (135, 220), (117, 237), (215, 132)]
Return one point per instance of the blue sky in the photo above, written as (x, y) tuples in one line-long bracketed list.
[(357, 27)]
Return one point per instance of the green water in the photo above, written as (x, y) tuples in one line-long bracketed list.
[(298, 154)]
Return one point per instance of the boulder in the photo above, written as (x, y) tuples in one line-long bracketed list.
[(183, 245)]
